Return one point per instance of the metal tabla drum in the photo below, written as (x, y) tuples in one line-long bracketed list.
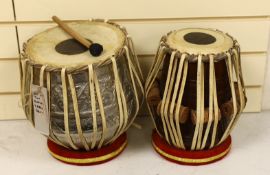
[(195, 93), (91, 101)]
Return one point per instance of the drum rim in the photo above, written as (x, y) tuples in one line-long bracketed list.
[(193, 55), (53, 67)]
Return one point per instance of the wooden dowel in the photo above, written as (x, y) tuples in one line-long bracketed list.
[(153, 96), (71, 32), (206, 116), (183, 113)]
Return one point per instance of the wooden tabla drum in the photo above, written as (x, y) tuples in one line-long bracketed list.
[(91, 101), (195, 93)]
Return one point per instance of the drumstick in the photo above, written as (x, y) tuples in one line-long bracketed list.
[(95, 49)]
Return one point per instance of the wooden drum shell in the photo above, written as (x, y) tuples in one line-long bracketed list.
[(162, 81)]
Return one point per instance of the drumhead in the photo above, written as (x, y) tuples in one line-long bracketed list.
[(199, 41), (55, 47)]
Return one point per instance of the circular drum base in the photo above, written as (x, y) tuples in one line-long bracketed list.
[(186, 157), (82, 157)]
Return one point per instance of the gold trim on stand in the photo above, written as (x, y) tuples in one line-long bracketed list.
[(90, 160), (189, 160)]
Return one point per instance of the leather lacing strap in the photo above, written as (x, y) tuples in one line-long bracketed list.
[(174, 112), (120, 97), (124, 103), (155, 68), (48, 86), (230, 74), (23, 66), (216, 111), (134, 56), (65, 105), (41, 75), (133, 73), (237, 52), (30, 95), (27, 76), (179, 102), (211, 101), (159, 50), (240, 83), (120, 106), (162, 112), (93, 104), (198, 103), (236, 113), (201, 119), (101, 110), (152, 76), (41, 83), (172, 130), (76, 111), (170, 101)]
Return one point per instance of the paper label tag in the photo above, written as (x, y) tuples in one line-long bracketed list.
[(40, 106)]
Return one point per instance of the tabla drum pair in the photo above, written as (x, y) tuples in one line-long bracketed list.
[(195, 93), (90, 101)]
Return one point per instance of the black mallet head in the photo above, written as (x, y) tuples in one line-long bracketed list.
[(95, 49)]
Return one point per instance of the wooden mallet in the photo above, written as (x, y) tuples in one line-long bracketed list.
[(95, 49)]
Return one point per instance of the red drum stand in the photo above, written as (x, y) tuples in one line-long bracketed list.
[(82, 157), (187, 157)]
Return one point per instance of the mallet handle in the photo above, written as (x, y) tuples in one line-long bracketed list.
[(71, 32)]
